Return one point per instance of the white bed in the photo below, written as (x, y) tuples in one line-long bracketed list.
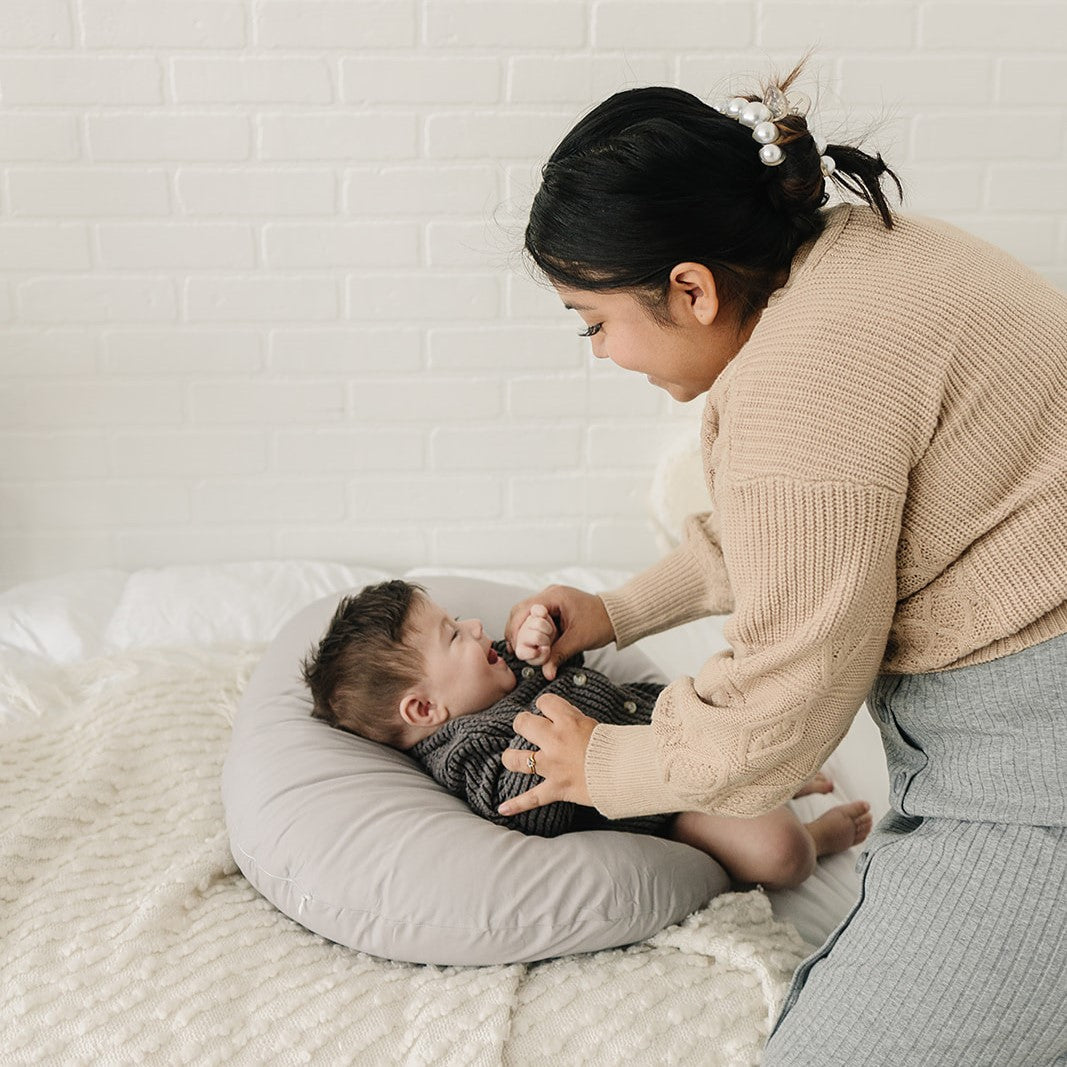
[(128, 935)]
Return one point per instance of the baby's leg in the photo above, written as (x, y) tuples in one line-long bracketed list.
[(774, 850)]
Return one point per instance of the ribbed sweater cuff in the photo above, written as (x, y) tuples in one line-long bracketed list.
[(667, 594), (623, 773)]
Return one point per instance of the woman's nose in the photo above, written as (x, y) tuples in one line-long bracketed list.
[(598, 350), (476, 627)]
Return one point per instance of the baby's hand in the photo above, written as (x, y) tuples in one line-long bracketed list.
[(534, 640)]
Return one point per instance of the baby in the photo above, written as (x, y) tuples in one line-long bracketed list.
[(395, 667)]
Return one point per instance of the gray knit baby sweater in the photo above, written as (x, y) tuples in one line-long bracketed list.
[(464, 754)]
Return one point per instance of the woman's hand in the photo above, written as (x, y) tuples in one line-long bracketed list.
[(580, 617), (561, 733)]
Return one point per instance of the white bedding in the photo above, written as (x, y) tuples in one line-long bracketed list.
[(124, 923)]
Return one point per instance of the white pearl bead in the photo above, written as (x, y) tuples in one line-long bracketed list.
[(753, 114), (766, 133), (827, 166), (820, 146), (736, 106), (771, 155)]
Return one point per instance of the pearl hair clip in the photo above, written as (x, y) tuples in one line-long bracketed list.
[(761, 115)]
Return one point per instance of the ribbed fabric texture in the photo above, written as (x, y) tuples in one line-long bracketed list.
[(887, 457), (464, 754), (955, 957), (955, 952), (954, 749)]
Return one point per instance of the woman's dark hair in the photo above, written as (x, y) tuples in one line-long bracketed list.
[(655, 177)]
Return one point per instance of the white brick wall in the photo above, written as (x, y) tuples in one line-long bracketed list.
[(260, 289)]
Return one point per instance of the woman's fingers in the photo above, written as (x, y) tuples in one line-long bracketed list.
[(527, 801), (561, 735), (537, 729), (523, 761)]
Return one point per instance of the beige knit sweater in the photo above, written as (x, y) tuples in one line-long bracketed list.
[(887, 463)]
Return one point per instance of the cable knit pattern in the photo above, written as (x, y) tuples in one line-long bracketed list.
[(887, 462), (127, 934)]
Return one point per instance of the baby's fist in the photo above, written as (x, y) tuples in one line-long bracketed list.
[(534, 640)]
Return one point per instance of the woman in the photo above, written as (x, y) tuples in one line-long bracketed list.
[(885, 443)]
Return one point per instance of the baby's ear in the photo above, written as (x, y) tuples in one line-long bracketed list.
[(416, 710)]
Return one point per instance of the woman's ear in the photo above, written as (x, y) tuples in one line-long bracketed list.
[(694, 291), (417, 711)]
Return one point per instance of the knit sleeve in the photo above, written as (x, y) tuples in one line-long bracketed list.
[(688, 583), (813, 568)]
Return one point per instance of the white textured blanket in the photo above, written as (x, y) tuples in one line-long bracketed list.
[(127, 934)]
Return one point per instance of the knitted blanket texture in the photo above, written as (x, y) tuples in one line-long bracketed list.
[(128, 935)]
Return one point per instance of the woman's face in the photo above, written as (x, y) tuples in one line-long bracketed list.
[(684, 359)]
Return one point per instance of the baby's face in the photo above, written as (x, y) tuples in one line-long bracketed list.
[(463, 673)]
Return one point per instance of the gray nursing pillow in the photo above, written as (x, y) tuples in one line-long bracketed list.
[(355, 842)]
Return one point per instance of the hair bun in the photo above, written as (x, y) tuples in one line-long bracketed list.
[(801, 158)]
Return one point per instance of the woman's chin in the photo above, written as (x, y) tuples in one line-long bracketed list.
[(682, 393)]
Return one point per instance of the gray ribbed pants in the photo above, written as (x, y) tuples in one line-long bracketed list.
[(956, 952)]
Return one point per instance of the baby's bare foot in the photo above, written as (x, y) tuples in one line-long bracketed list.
[(841, 827), (819, 784)]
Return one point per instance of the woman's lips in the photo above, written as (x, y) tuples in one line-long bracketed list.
[(492, 656)]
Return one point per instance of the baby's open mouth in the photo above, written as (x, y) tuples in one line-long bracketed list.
[(492, 656)]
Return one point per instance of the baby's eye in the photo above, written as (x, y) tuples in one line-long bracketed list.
[(590, 331)]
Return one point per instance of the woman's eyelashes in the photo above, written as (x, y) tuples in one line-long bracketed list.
[(590, 331)]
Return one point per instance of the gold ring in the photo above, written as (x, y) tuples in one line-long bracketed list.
[(531, 762)]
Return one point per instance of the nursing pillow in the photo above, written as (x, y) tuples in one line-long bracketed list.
[(356, 843)]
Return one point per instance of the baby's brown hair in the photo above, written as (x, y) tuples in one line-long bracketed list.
[(363, 664)]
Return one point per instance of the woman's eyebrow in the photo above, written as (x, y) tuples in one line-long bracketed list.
[(577, 307)]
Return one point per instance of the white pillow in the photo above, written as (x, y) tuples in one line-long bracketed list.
[(355, 842), (206, 604), (60, 619)]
